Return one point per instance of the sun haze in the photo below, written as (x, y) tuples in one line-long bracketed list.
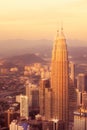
[(38, 19)]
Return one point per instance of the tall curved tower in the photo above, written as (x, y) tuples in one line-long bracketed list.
[(60, 79)]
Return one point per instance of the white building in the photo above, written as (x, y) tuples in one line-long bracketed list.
[(13, 125), (24, 106), (19, 125), (80, 120)]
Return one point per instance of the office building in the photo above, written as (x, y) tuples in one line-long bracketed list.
[(72, 72), (44, 93), (24, 109), (80, 120), (82, 82), (32, 92), (60, 79)]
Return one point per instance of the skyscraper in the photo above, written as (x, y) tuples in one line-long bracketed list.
[(24, 106), (82, 82), (32, 92), (45, 98), (82, 90), (60, 79), (72, 72)]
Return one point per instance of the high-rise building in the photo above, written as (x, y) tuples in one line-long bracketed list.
[(45, 97), (80, 120), (72, 72), (24, 111), (48, 103), (32, 92), (79, 98), (82, 89), (72, 92), (72, 100), (84, 99), (82, 82), (60, 79)]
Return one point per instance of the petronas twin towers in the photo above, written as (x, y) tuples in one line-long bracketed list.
[(60, 78), (54, 100)]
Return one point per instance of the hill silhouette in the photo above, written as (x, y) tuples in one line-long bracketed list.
[(25, 59)]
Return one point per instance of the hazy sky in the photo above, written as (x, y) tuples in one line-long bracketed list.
[(37, 19)]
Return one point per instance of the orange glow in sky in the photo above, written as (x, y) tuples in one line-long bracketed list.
[(37, 19)]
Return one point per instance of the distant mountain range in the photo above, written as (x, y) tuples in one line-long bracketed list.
[(21, 60), (42, 47), (25, 52)]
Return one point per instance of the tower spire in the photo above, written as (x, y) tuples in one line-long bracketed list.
[(57, 29), (57, 33), (61, 26), (61, 34)]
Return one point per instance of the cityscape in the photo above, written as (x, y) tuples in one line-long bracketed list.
[(43, 83)]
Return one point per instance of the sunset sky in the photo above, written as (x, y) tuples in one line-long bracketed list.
[(39, 19)]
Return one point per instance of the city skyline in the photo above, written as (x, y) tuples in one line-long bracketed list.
[(39, 19), (51, 89)]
